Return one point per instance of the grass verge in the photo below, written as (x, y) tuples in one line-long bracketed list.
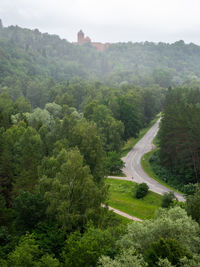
[(132, 141), (146, 165), (123, 219), (122, 198), (121, 174)]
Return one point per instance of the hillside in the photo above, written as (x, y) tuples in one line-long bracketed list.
[(144, 64)]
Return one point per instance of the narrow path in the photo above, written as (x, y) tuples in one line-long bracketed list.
[(133, 168), (133, 218)]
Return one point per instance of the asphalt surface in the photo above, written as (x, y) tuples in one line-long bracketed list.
[(133, 168)]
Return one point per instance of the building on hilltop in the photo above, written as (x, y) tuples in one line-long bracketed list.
[(81, 39)]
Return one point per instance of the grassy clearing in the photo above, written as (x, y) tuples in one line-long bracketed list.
[(121, 198), (146, 165), (132, 141)]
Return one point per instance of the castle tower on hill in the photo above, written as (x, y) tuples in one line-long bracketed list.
[(81, 39)]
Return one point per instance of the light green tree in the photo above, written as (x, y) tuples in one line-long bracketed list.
[(69, 189)]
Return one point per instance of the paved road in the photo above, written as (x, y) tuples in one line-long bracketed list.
[(134, 169)]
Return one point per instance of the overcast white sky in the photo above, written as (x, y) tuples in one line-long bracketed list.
[(108, 20)]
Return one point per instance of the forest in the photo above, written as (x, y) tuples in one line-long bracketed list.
[(66, 111)]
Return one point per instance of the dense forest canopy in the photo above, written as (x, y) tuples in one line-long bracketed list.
[(65, 113), (30, 53), (179, 136)]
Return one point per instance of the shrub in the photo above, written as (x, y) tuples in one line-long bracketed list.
[(167, 200), (141, 190), (166, 248)]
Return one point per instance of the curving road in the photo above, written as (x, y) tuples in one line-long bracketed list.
[(133, 168)]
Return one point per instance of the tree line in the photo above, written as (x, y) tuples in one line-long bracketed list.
[(179, 153), (29, 53)]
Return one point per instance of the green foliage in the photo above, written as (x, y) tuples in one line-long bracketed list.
[(141, 190), (121, 198), (6, 214), (6, 244), (6, 109), (171, 239), (38, 118), (29, 210), (168, 224), (114, 164), (193, 205), (179, 134), (166, 248), (84, 135), (21, 152), (167, 199), (50, 237), (68, 187), (84, 250), (190, 189), (54, 109), (22, 105), (27, 254), (129, 116), (109, 129), (47, 85), (128, 257)]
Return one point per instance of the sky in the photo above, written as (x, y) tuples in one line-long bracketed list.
[(108, 20)]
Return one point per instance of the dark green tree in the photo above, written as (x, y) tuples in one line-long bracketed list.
[(166, 248)]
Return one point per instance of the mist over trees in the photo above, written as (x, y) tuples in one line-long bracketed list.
[(65, 113), (29, 53)]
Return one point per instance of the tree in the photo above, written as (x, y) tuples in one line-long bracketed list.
[(179, 135), (54, 109), (109, 129), (22, 105), (129, 116), (167, 199), (141, 190), (113, 163), (68, 187), (29, 210), (19, 158), (126, 258), (27, 253), (166, 248), (50, 237), (39, 117), (85, 249), (193, 205), (84, 135), (6, 109), (168, 224)]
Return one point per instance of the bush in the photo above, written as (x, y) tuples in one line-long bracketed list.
[(167, 200), (141, 190), (113, 163), (166, 248)]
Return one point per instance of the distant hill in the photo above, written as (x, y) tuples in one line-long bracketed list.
[(30, 53)]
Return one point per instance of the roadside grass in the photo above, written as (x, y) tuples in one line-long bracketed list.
[(132, 141), (123, 219), (121, 197), (121, 174), (146, 165)]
